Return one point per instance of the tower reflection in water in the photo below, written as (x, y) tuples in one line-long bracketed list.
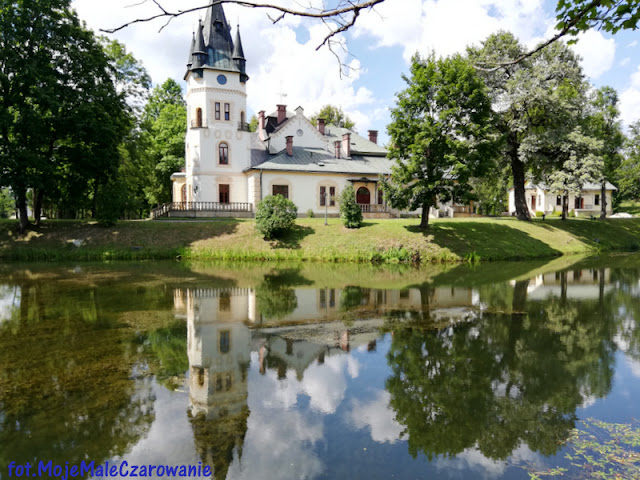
[(291, 334)]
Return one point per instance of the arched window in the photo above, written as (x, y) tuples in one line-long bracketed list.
[(363, 195), (198, 117), (223, 153), (242, 120)]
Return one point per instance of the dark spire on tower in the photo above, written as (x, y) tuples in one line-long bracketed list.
[(238, 56), (200, 51), (191, 51), (214, 48)]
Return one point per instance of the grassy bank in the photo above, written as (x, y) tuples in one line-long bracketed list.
[(385, 241)]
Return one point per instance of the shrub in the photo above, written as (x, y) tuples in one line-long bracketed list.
[(310, 213), (572, 214), (539, 213), (350, 212), (275, 215)]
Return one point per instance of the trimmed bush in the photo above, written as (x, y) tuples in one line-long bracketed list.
[(350, 212), (275, 215), (310, 213), (539, 214)]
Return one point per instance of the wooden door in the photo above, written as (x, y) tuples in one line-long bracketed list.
[(363, 195)]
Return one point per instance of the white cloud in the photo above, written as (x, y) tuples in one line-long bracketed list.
[(632, 44), (377, 416), (597, 53), (625, 61), (634, 365), (630, 99), (276, 62), (448, 27), (483, 467)]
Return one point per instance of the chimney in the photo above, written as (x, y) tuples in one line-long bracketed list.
[(373, 136), (282, 113), (321, 125), (261, 120), (346, 145), (336, 145), (290, 145)]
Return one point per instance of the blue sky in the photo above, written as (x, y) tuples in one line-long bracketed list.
[(281, 58)]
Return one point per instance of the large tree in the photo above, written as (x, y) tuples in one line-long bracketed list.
[(603, 123), (582, 162), (629, 171), (440, 134), (62, 118), (538, 102), (163, 127)]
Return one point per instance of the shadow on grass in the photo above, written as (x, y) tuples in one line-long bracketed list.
[(488, 241), (291, 240), (612, 234), (59, 234)]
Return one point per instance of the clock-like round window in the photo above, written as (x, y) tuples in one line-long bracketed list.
[(299, 132), (222, 80)]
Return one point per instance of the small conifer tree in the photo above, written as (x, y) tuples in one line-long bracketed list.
[(350, 212)]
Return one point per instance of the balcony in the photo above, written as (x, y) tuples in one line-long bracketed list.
[(196, 124), (243, 127), (372, 208), (202, 208)]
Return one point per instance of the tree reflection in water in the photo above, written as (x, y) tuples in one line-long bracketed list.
[(501, 380), (67, 392)]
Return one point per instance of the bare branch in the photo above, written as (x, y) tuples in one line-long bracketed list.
[(331, 14), (565, 30)]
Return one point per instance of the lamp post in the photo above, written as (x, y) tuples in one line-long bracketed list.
[(326, 208)]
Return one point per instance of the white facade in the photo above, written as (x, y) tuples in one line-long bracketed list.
[(226, 164), (540, 199)]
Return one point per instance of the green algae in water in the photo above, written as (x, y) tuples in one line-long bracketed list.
[(599, 450)]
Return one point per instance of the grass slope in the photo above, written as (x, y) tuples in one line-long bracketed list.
[(377, 240)]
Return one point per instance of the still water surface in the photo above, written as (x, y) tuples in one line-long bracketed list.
[(319, 372)]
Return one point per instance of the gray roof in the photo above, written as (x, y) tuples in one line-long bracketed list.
[(359, 144), (215, 43), (315, 160)]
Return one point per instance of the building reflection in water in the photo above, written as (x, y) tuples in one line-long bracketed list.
[(225, 325), (219, 348), (312, 325)]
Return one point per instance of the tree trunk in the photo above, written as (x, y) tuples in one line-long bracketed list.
[(37, 207), (21, 202), (517, 169), (424, 220), (603, 200), (565, 207)]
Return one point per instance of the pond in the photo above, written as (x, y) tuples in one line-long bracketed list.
[(500, 371)]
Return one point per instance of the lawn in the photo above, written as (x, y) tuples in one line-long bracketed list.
[(377, 241), (632, 207)]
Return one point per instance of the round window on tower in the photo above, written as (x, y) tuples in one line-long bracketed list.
[(299, 132), (222, 79)]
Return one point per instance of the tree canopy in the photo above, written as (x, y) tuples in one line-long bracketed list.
[(440, 134), (62, 119), (333, 115), (538, 102)]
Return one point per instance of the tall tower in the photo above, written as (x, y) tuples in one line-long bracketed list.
[(217, 143)]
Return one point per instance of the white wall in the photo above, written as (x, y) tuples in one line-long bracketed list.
[(202, 144), (304, 189)]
